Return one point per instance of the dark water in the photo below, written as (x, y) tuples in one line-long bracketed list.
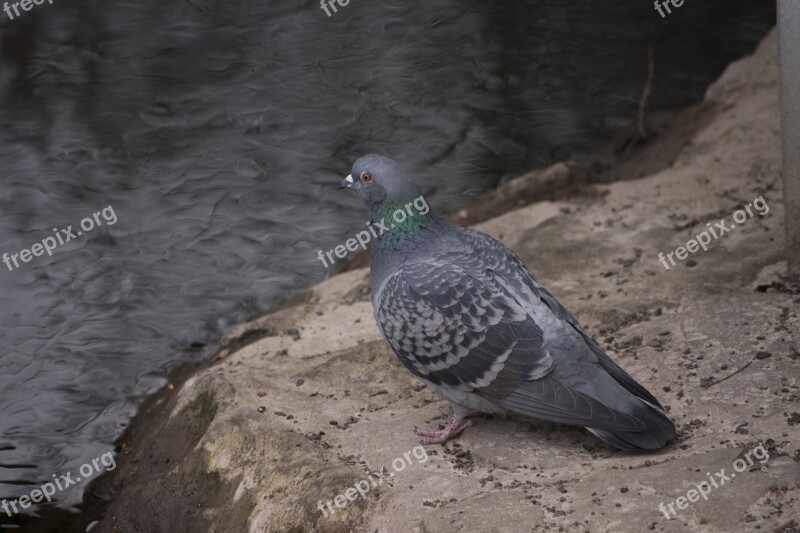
[(217, 130)]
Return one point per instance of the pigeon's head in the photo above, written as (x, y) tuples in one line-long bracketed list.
[(379, 180)]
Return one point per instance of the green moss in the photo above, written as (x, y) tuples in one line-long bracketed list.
[(205, 403)]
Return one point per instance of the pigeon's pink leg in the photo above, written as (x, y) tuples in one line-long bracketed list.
[(438, 436)]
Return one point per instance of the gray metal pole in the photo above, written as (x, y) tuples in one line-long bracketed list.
[(789, 37)]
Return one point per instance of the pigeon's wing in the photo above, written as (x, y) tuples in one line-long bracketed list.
[(461, 331), (454, 323), (513, 271)]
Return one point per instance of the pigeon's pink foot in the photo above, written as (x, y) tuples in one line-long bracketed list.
[(438, 436)]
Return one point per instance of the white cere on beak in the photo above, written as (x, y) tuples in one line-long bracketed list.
[(349, 178)]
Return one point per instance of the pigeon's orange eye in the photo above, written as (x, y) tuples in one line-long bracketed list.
[(366, 177)]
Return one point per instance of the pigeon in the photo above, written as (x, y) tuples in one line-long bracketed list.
[(464, 314)]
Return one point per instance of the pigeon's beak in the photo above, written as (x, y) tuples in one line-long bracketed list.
[(346, 183)]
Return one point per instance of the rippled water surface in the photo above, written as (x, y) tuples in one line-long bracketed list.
[(217, 131)]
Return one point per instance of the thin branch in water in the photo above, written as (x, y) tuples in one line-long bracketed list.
[(648, 87)]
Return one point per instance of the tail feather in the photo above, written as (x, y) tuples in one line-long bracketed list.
[(622, 377), (632, 424), (660, 430)]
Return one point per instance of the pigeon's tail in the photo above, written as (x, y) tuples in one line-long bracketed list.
[(646, 408), (619, 418), (659, 430)]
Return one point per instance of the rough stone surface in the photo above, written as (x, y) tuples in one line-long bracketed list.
[(306, 401)]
